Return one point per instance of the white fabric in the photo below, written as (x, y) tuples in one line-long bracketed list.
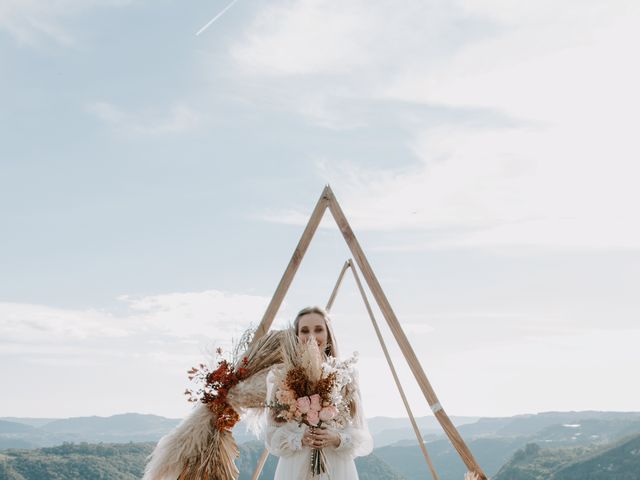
[(285, 441)]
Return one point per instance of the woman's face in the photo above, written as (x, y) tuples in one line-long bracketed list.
[(313, 325)]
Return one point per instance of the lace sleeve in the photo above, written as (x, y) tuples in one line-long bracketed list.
[(281, 439), (355, 439)]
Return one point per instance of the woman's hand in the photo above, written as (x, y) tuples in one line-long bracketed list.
[(308, 438), (320, 438)]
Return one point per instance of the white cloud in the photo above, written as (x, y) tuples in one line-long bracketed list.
[(322, 37), (207, 313), (36, 22), (314, 57), (476, 190), (568, 181), (180, 118), (306, 37), (521, 373), (562, 174), (417, 328), (147, 346), (174, 317), (40, 323)]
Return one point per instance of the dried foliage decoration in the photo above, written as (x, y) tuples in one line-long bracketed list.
[(202, 446), (215, 386)]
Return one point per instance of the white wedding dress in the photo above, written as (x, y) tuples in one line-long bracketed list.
[(285, 441)]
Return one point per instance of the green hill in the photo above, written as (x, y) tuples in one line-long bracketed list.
[(76, 462), (407, 460), (126, 462), (621, 462), (567, 438), (618, 462)]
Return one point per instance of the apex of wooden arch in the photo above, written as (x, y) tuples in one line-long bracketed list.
[(328, 200)]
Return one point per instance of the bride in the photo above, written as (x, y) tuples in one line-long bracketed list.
[(296, 443)]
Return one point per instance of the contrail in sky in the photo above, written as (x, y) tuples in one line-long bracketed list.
[(222, 12)]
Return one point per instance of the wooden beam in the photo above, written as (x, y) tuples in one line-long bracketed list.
[(260, 465), (396, 379), (332, 298), (294, 263), (401, 338), (328, 200)]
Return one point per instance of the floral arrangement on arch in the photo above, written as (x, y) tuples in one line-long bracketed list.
[(202, 446), (214, 386)]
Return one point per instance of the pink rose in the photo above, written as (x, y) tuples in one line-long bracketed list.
[(303, 404), (315, 403), (312, 417), (328, 413)]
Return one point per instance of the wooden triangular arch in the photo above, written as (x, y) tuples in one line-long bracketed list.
[(328, 200)]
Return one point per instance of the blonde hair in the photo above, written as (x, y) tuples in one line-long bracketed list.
[(332, 347)]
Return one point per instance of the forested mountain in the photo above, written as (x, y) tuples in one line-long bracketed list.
[(565, 442), (126, 462), (388, 430), (407, 460), (76, 462), (128, 427), (620, 461), (557, 427), (14, 427), (494, 441), (134, 427), (606, 425)]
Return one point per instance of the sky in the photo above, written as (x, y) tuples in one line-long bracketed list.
[(154, 183)]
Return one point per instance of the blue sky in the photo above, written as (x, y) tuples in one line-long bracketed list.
[(153, 184)]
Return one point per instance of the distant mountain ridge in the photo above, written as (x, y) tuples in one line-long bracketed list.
[(135, 427), (115, 425), (531, 424), (493, 441), (32, 422), (123, 428), (389, 430), (14, 427)]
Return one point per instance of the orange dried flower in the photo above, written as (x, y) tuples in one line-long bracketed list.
[(297, 381), (324, 386), (215, 388)]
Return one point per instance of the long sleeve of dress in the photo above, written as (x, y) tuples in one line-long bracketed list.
[(284, 440), (355, 439)]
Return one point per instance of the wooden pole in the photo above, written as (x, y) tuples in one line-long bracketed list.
[(294, 263), (260, 465), (412, 419), (401, 338), (332, 298)]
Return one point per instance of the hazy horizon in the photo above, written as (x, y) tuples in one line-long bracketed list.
[(456, 418)]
